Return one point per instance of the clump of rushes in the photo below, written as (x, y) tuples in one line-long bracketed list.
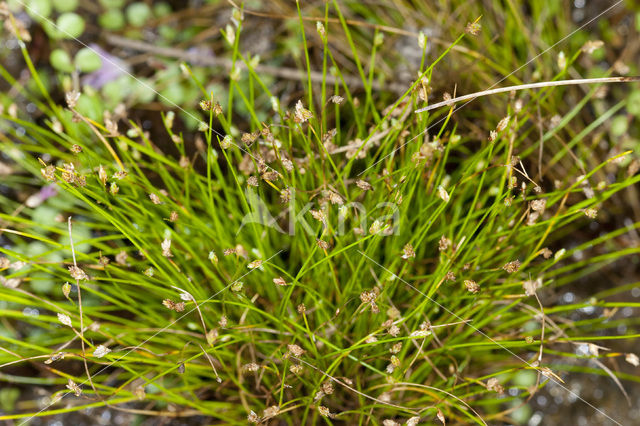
[(320, 252)]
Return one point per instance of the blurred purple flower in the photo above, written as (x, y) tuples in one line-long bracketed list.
[(112, 68), (48, 191), (41, 196)]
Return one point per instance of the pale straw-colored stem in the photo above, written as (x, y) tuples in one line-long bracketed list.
[(529, 86)]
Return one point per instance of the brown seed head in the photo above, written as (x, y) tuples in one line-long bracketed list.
[(444, 243), (324, 411), (270, 412), (279, 281), (77, 273), (322, 244), (121, 258), (472, 286), (364, 185), (253, 181), (473, 28), (295, 350), (408, 252), (512, 266), (155, 199), (301, 114), (502, 124), (493, 384)]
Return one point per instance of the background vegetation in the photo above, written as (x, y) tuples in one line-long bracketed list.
[(215, 212)]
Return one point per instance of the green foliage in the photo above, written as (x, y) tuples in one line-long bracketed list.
[(138, 13), (87, 60), (65, 5), (39, 9), (331, 253), (112, 19), (61, 61), (70, 25)]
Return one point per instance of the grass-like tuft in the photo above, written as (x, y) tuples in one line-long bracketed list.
[(330, 254)]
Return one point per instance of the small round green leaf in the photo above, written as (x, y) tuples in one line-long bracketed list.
[(112, 4), (112, 19), (61, 61), (161, 9), (138, 14), (87, 60), (52, 31), (619, 125), (65, 5), (70, 24), (633, 104), (38, 9)]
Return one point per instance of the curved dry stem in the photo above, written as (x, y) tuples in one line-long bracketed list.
[(541, 84)]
